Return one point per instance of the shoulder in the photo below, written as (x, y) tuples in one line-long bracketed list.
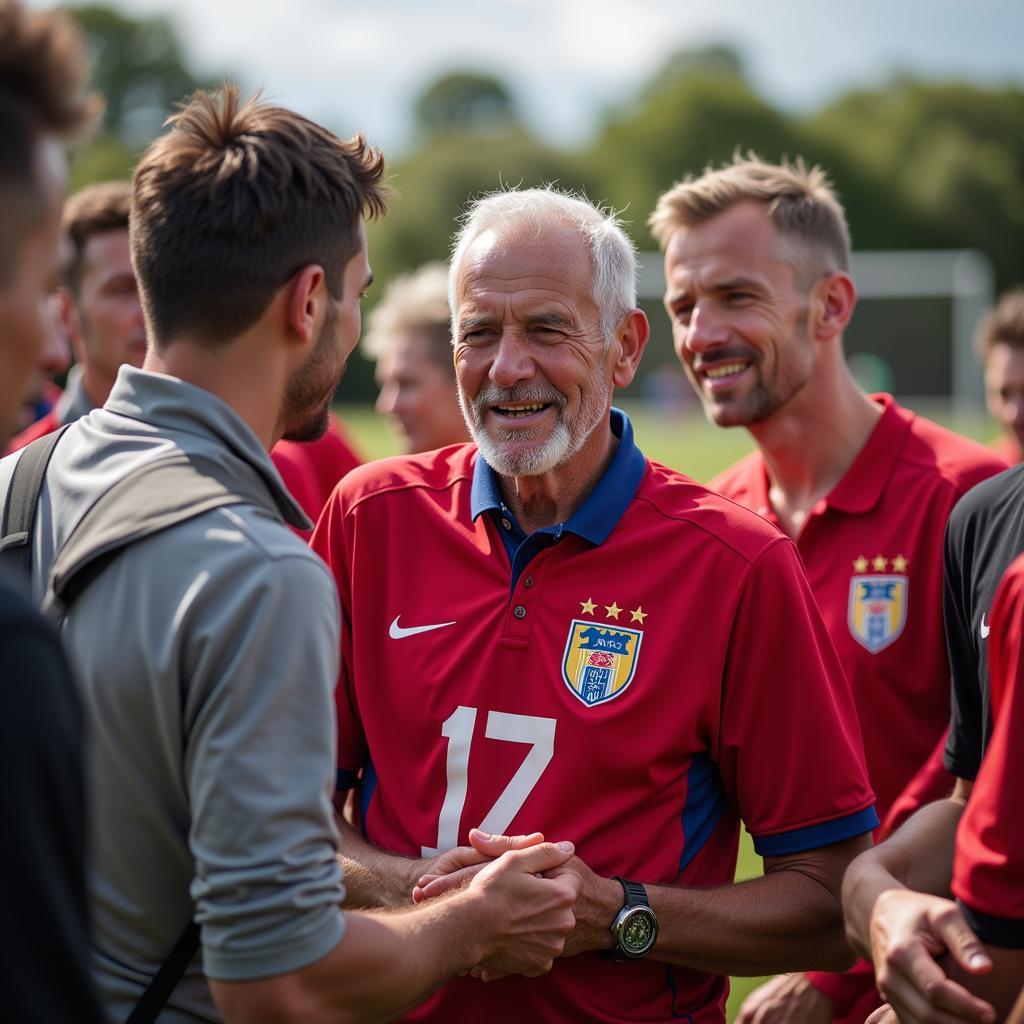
[(718, 520), (1000, 496), (435, 471), (738, 480), (959, 461)]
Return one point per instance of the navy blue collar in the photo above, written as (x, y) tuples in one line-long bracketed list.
[(595, 519)]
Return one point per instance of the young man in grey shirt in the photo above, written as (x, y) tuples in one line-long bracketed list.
[(208, 652)]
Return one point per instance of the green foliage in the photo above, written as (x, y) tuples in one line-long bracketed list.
[(917, 164), (466, 102), (139, 67)]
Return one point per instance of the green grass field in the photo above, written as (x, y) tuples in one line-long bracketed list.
[(684, 442), (693, 446)]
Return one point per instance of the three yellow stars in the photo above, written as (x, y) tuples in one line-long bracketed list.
[(879, 563), (613, 611)]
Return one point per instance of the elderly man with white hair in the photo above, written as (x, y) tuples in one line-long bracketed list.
[(545, 633)]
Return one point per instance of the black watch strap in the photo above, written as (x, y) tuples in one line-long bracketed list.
[(634, 892)]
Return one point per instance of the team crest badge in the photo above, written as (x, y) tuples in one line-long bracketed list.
[(878, 610), (599, 661)]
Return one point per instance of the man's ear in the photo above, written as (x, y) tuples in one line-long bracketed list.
[(630, 341), (67, 317), (833, 300), (305, 301)]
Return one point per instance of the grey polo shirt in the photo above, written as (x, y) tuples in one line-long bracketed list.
[(207, 656)]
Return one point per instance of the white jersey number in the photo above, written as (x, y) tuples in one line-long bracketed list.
[(458, 729)]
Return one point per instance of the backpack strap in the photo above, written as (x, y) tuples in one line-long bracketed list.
[(165, 981), (161, 493), (19, 514)]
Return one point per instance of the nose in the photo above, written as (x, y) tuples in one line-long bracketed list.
[(513, 361), (704, 331), (386, 398)]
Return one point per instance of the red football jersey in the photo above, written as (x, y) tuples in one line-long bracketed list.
[(311, 469), (873, 553), (988, 869), (655, 672)]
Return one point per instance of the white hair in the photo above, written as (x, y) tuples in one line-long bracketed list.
[(612, 253)]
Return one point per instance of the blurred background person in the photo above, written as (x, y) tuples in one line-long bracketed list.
[(97, 304), (409, 335), (44, 391), (44, 942), (999, 343)]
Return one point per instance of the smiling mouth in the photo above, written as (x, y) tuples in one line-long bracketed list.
[(518, 411), (723, 370)]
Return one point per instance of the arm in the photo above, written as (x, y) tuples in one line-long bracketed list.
[(378, 878), (374, 877), (507, 917), (788, 920), (898, 913)]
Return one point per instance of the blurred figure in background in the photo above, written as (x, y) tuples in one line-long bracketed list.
[(44, 391), (97, 304), (44, 942), (999, 343), (409, 335)]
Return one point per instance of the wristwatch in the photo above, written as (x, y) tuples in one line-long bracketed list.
[(635, 926)]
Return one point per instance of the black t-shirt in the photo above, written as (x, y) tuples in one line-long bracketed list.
[(44, 941), (985, 533)]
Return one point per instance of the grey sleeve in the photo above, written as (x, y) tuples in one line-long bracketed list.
[(260, 764)]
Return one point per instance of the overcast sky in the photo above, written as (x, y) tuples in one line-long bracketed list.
[(361, 65)]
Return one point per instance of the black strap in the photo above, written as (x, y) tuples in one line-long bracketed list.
[(164, 982), (161, 493), (19, 515), (634, 893)]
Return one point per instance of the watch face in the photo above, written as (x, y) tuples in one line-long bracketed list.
[(637, 934)]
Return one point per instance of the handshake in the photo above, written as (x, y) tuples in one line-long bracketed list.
[(534, 897)]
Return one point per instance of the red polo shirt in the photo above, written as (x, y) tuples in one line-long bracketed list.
[(872, 549), (988, 870), (636, 679)]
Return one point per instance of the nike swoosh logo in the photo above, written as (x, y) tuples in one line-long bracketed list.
[(984, 627), (397, 632)]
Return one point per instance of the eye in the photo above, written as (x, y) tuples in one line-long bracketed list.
[(737, 297), (681, 312)]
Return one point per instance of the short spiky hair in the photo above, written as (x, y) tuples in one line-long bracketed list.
[(235, 199), (42, 71), (800, 201), (1004, 325), (95, 210)]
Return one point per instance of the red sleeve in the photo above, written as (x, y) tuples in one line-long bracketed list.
[(853, 994), (790, 749), (988, 867), (931, 782), (329, 541)]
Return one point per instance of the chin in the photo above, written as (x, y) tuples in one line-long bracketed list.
[(312, 430)]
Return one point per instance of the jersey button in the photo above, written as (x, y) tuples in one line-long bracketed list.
[(519, 612), (528, 582), (506, 524)]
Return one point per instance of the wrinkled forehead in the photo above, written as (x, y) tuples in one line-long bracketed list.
[(554, 259)]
